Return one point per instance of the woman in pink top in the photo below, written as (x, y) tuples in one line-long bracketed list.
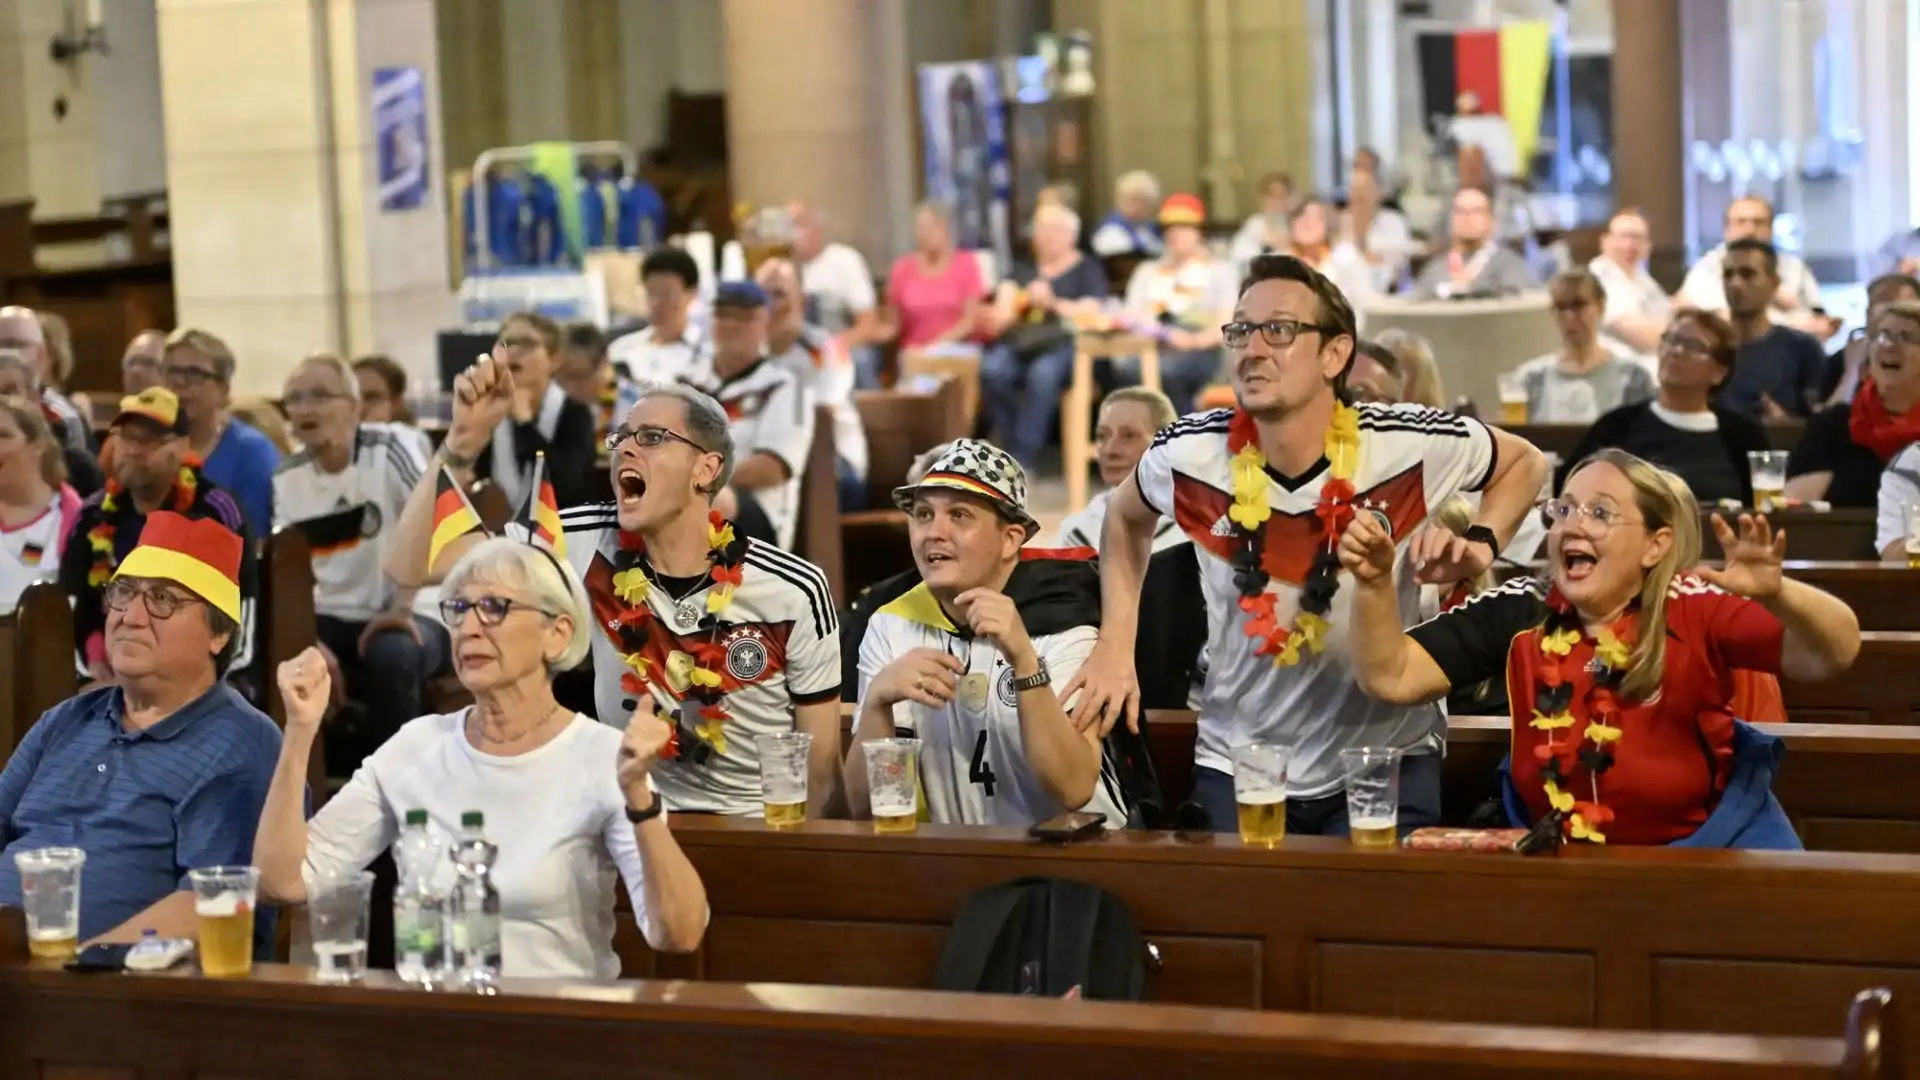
[(933, 295)]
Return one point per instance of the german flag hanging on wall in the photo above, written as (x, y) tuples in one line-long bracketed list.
[(1504, 69), (453, 517)]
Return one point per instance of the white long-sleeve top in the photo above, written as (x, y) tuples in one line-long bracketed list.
[(556, 813)]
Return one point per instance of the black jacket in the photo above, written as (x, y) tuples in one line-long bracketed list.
[(573, 456), (1738, 433)]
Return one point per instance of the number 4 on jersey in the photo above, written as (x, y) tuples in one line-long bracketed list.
[(979, 771)]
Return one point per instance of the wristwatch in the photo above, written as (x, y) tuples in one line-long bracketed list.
[(1034, 681), (1480, 534), (459, 461), (651, 812)]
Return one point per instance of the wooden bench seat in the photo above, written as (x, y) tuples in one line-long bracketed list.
[(36, 661)]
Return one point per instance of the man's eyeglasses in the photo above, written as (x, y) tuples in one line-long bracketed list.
[(648, 437), (516, 342), (1888, 336), (492, 610), (1595, 521), (1279, 333), (299, 398), (184, 377), (1683, 344), (161, 601)]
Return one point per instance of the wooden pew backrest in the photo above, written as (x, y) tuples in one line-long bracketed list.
[(36, 661)]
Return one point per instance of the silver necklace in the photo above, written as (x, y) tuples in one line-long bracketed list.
[(686, 613)]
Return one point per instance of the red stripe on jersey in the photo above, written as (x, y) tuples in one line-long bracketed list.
[(1292, 540)]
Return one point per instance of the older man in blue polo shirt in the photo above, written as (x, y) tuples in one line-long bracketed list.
[(165, 771)]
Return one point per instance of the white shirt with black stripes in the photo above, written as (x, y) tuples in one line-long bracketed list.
[(349, 581)]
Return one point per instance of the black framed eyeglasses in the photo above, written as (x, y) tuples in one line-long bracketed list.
[(161, 601), (1279, 333), (185, 378), (648, 436), (301, 398), (493, 610)]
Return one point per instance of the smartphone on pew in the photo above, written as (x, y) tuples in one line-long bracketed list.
[(1067, 828)]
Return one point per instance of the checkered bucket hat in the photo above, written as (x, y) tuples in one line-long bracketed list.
[(981, 469)]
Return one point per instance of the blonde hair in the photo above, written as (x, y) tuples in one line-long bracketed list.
[(264, 417), (1456, 516), (58, 337), (1138, 182), (1422, 375), (206, 345), (1159, 407), (33, 425), (1665, 502)]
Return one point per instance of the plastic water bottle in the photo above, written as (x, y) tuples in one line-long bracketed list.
[(420, 903), (474, 913)]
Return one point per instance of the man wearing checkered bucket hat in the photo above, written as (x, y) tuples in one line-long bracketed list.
[(970, 660)]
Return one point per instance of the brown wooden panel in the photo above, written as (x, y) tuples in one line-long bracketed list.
[(1883, 597), (56, 1071), (1858, 834), (832, 953), (1208, 970), (1764, 998), (1469, 985)]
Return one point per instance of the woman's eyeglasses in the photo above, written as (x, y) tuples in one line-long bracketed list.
[(1680, 343), (648, 437), (1595, 521), (161, 602), (492, 610), (1279, 333)]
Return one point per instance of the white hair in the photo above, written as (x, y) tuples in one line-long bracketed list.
[(1138, 182), (548, 584), (334, 363), (1058, 213)]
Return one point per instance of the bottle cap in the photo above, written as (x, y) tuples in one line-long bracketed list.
[(416, 817), (472, 819)]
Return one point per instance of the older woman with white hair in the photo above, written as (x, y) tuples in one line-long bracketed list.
[(567, 800), (1130, 228), (1022, 375)]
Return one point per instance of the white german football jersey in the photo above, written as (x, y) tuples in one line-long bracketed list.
[(1411, 458), (821, 362), (348, 517), (31, 552), (782, 641), (770, 411), (973, 761)]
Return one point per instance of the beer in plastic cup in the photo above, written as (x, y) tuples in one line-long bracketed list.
[(1260, 790), (893, 784), (1768, 470), (783, 777), (1373, 796), (223, 899), (50, 897)]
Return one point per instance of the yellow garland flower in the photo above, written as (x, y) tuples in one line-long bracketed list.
[(1580, 830), (721, 537), (713, 733), (1289, 653), (1560, 642), (1250, 509), (1610, 650), (637, 662), (718, 598), (702, 677), (1558, 799), (1602, 734), (632, 586), (1551, 723), (1343, 442), (1312, 629)]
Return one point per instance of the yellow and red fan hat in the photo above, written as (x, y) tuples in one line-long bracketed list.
[(158, 406), (199, 554), (1183, 209)]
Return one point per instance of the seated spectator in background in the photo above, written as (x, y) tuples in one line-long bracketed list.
[(345, 490), (1780, 368), (934, 294), (556, 788), (770, 413), (37, 508), (838, 291), (1420, 375), (996, 745), (152, 471), (1474, 264), (1184, 297), (18, 378), (383, 398), (197, 368), (1899, 493), (59, 338), (1375, 375), (1311, 241), (1129, 418), (1507, 199), (587, 375), (1796, 294), (1031, 360), (1845, 365), (1378, 232), (1584, 378), (1841, 454), (140, 364), (190, 760), (543, 420), (821, 363), (1633, 647), (1130, 228), (21, 330), (1682, 429), (665, 348), (1270, 227), (1637, 308)]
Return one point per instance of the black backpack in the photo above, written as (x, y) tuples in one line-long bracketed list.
[(1043, 936)]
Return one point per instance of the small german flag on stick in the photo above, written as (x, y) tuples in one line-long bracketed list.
[(541, 515), (453, 517)]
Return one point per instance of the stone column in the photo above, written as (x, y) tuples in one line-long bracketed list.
[(280, 244), (1649, 143)]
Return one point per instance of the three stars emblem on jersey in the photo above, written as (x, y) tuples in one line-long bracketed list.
[(746, 654)]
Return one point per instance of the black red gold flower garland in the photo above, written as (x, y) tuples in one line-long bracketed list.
[(100, 537), (1249, 514), (1552, 713), (690, 676)]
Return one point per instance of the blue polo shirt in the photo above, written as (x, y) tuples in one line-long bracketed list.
[(146, 806)]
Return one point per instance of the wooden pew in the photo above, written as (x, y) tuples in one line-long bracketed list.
[(1885, 597), (900, 427), (1836, 535), (279, 1023), (816, 533), (1562, 438), (286, 629), (1878, 689), (1762, 943), (36, 661)]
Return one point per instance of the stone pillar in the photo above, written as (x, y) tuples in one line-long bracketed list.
[(826, 132), (280, 244), (49, 142), (1649, 143)]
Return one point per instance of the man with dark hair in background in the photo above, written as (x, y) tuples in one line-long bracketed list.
[(1777, 373)]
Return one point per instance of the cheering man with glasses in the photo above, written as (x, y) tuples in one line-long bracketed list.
[(198, 368), (1265, 491), (166, 769), (723, 636)]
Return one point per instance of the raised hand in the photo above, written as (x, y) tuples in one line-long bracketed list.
[(1366, 550), (640, 749), (306, 689), (1754, 556), (1441, 558), (483, 395), (1107, 687), (992, 615)]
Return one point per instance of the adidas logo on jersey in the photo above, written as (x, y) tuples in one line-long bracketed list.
[(1222, 527)]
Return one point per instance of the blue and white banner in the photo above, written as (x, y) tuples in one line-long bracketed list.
[(400, 128), (964, 131)]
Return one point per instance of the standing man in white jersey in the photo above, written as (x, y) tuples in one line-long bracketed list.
[(726, 637), (1265, 490), (967, 660)]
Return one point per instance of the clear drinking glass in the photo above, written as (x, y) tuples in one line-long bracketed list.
[(1260, 789), (783, 777), (1513, 399), (1373, 796), (1768, 469), (50, 895), (224, 898), (893, 784), (338, 914)]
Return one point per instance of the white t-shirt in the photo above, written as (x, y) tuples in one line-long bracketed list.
[(30, 553), (638, 356), (782, 640), (821, 363), (348, 517), (1411, 458), (973, 761), (839, 284), (1084, 529), (771, 411), (557, 814), (1197, 293), (1628, 293), (1899, 492)]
